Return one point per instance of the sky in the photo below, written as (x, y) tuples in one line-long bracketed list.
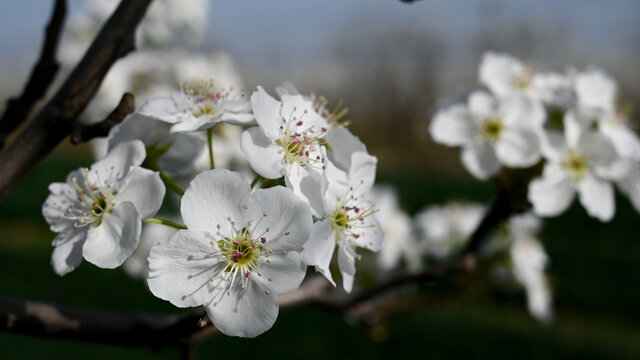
[(286, 34)]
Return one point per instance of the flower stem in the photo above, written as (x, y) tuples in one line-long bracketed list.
[(164, 222), (255, 180), (209, 136), (170, 183)]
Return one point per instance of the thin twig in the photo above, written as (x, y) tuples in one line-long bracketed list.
[(82, 132), (42, 75)]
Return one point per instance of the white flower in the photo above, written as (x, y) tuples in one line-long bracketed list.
[(399, 242), (529, 261), (241, 251), (596, 93), (584, 161), (442, 230), (289, 140), (137, 265), (175, 151), (195, 109), (97, 213), (346, 221), (492, 132), (504, 75)]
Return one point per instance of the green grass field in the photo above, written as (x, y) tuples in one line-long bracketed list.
[(594, 270)]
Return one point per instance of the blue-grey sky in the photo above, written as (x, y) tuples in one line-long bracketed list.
[(294, 33)]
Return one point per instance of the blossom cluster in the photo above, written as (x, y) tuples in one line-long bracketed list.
[(242, 243), (438, 233), (571, 122)]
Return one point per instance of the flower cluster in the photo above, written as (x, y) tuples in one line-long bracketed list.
[(571, 122), (242, 244)]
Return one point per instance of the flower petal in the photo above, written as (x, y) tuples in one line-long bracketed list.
[(482, 105), (518, 147), (284, 273), (480, 160), (145, 190), (264, 156), (214, 198), (342, 145), (180, 269), (347, 265), (288, 218), (119, 159), (552, 193), (67, 254), (266, 109), (165, 109), (453, 126), (246, 312), (109, 244), (597, 197), (319, 249)]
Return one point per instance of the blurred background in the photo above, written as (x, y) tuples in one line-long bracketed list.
[(391, 63)]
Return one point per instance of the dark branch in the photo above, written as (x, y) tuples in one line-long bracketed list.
[(82, 132), (41, 76), (56, 120)]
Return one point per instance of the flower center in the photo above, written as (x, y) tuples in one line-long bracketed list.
[(576, 164), (92, 201), (491, 129), (206, 99), (334, 117), (349, 217), (301, 144)]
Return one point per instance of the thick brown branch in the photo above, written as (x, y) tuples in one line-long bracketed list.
[(82, 132), (41, 76), (55, 120)]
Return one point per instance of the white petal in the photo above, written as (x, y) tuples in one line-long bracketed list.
[(499, 71), (191, 123), (371, 236), (57, 204), (630, 186), (522, 111), (453, 126), (480, 160), (144, 189), (109, 244), (287, 88), (238, 118), (343, 144), (482, 105), (264, 156), (246, 312), (596, 89), (67, 254), (552, 193), (309, 186), (180, 269), (165, 109), (214, 198), (518, 147), (363, 171), (597, 197), (119, 159), (266, 109), (347, 265), (286, 272), (319, 249), (624, 139), (286, 213)]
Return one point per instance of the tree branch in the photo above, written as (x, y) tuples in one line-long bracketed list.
[(42, 75), (82, 132), (56, 120)]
